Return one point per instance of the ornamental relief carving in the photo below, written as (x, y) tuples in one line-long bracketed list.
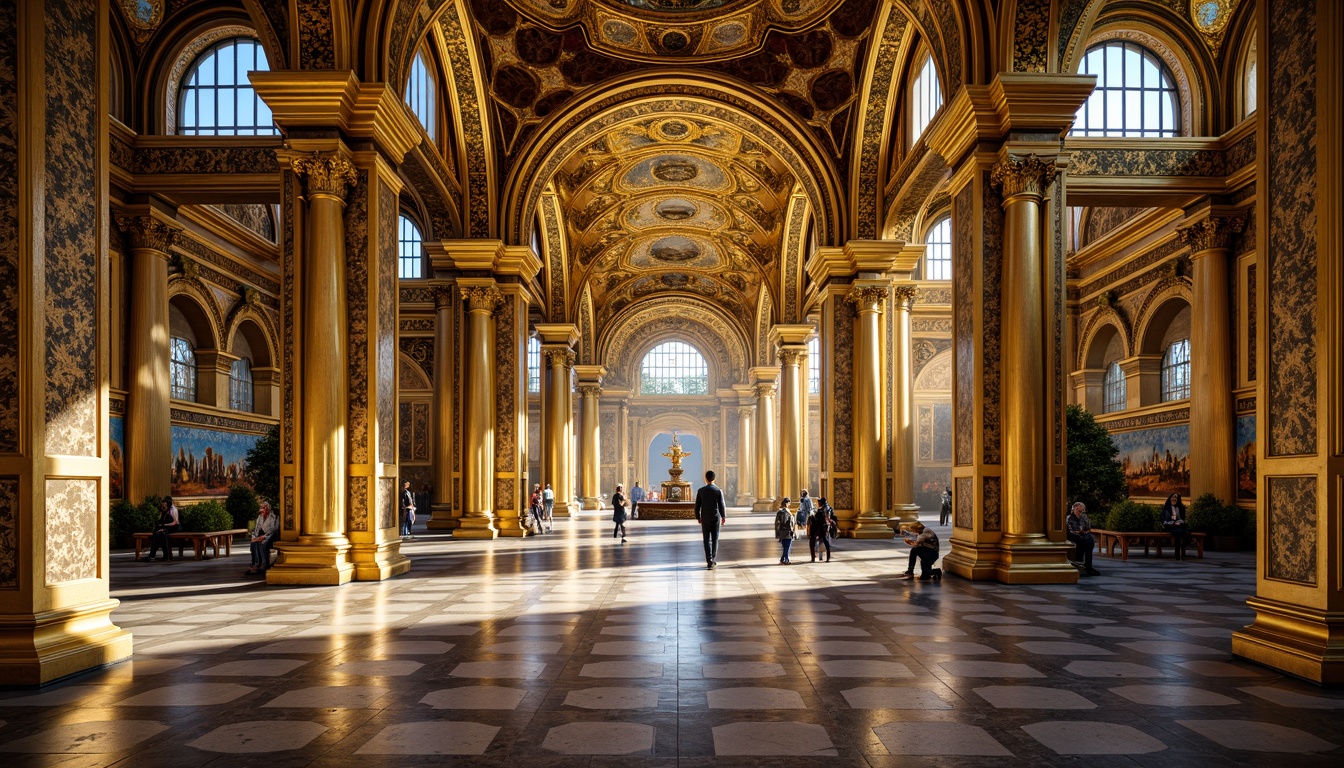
[(325, 173), (1023, 175), (1215, 233)]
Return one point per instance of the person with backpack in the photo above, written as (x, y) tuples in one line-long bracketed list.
[(819, 531), (786, 528)]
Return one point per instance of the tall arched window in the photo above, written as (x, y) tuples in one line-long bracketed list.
[(1248, 82), (410, 249), (217, 98), (1113, 392), (420, 94), (533, 365), (925, 98), (181, 370), (240, 385), (1176, 371), (674, 368), (938, 250), (814, 366), (1135, 94)]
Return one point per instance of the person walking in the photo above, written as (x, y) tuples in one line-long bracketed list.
[(711, 513), (407, 511), (945, 509), (636, 496), (169, 522), (924, 548), (786, 527), (548, 507), (1173, 522), (804, 511), (618, 514), (1080, 533), (535, 510), (819, 531)]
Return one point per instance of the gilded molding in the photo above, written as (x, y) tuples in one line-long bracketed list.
[(147, 232), (482, 298), (326, 173), (1023, 175), (1213, 233)]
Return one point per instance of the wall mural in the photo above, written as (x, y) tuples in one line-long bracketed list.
[(1156, 461), (206, 462), (1246, 470), (116, 451)]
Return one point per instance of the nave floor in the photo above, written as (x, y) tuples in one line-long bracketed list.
[(573, 650)]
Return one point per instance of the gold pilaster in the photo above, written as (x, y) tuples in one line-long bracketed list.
[(904, 508), (557, 412), (443, 515), (481, 297), (746, 450), (590, 445), (763, 383), (870, 459), (792, 344), (510, 403)]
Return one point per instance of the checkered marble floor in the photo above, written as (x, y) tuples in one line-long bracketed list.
[(572, 649)]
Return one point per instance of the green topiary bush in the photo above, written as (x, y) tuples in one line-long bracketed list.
[(1132, 517), (128, 519), (206, 516), (1210, 516), (243, 505)]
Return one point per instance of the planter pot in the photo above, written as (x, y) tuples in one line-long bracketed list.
[(1225, 543)]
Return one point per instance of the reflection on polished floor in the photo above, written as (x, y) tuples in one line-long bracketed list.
[(556, 650)]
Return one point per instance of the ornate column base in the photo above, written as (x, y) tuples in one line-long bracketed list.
[(1039, 561), (476, 528), (45, 647), (1302, 641), (765, 505), (905, 513), (565, 510), (376, 562), (511, 527), (322, 560), (871, 527), (442, 518), (972, 560), (590, 502), (744, 500)]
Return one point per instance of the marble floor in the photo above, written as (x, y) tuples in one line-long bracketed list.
[(574, 650)]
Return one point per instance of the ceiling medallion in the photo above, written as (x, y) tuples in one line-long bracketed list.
[(675, 248), (676, 210), (698, 30), (1210, 15), (675, 171)]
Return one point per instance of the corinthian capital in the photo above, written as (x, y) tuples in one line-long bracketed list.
[(905, 295), (558, 358), (480, 298), (589, 390), (443, 296), (148, 232), (867, 296), (1211, 234), (1023, 175), (792, 355), (325, 173)]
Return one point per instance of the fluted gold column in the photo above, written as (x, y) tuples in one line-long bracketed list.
[(557, 412), (904, 507), (870, 520), (746, 450), (443, 517), (590, 445), (149, 232), (320, 555), (481, 297), (764, 379), (790, 422), (1212, 410)]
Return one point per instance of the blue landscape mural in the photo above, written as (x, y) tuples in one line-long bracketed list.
[(206, 462), (1156, 461), (116, 462), (1246, 473)]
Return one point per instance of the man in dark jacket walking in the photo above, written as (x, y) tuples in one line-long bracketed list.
[(711, 513)]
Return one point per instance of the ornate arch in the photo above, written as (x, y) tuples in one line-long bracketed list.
[(936, 374), (248, 311), (660, 319), (191, 289), (1167, 290), (1105, 317), (410, 376)]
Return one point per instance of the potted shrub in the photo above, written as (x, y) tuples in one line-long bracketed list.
[(1132, 517), (243, 505), (206, 516), (1223, 525), (128, 519)]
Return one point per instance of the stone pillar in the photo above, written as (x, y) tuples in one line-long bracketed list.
[(443, 515), (763, 379), (746, 450), (481, 297), (904, 508), (54, 591), (320, 553), (870, 460), (148, 426), (557, 412), (590, 440), (1299, 603), (1212, 411)]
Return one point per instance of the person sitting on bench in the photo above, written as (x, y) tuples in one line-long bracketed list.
[(263, 536), (168, 523), (1080, 533)]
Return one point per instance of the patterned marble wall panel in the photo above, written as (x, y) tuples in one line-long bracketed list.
[(963, 501), (72, 526), (72, 229), (287, 491), (993, 490), (842, 386), (991, 321), (420, 430), (387, 502), (608, 440), (1292, 284), (387, 324), (506, 360), (357, 314), (1290, 519), (963, 319), (1031, 39), (844, 493), (9, 231), (9, 531), (1252, 321), (1058, 341), (317, 38), (288, 330), (359, 503), (504, 493)]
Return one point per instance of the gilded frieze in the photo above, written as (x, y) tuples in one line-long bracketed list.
[(221, 161), (1173, 416), (1121, 163), (230, 275), (9, 528), (931, 295), (1290, 523), (357, 317), (993, 503), (416, 325), (9, 234), (963, 501), (963, 318), (72, 526), (387, 324), (1252, 322), (217, 421), (1142, 263), (1245, 405), (933, 324)]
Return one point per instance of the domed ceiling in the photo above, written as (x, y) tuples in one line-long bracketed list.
[(674, 204)]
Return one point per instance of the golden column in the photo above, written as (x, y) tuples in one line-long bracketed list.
[(557, 412), (763, 382), (1212, 411), (320, 555), (904, 508), (481, 297), (792, 342), (443, 516), (149, 232), (746, 452), (870, 465), (590, 445)]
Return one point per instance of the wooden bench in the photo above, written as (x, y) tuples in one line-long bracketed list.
[(1107, 541), (200, 542)]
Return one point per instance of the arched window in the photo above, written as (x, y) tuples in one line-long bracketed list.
[(410, 249), (1135, 94), (420, 94), (938, 250), (533, 365), (1113, 393), (240, 385), (217, 98), (1248, 82), (814, 366), (181, 370), (674, 368), (925, 98), (1176, 371)]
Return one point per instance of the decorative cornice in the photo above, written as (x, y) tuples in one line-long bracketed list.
[(1216, 233), (326, 173), (1023, 175), (480, 298), (148, 232), (869, 296)]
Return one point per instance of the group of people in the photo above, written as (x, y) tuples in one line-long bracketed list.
[(1079, 531), (816, 520), (541, 509), (262, 537)]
